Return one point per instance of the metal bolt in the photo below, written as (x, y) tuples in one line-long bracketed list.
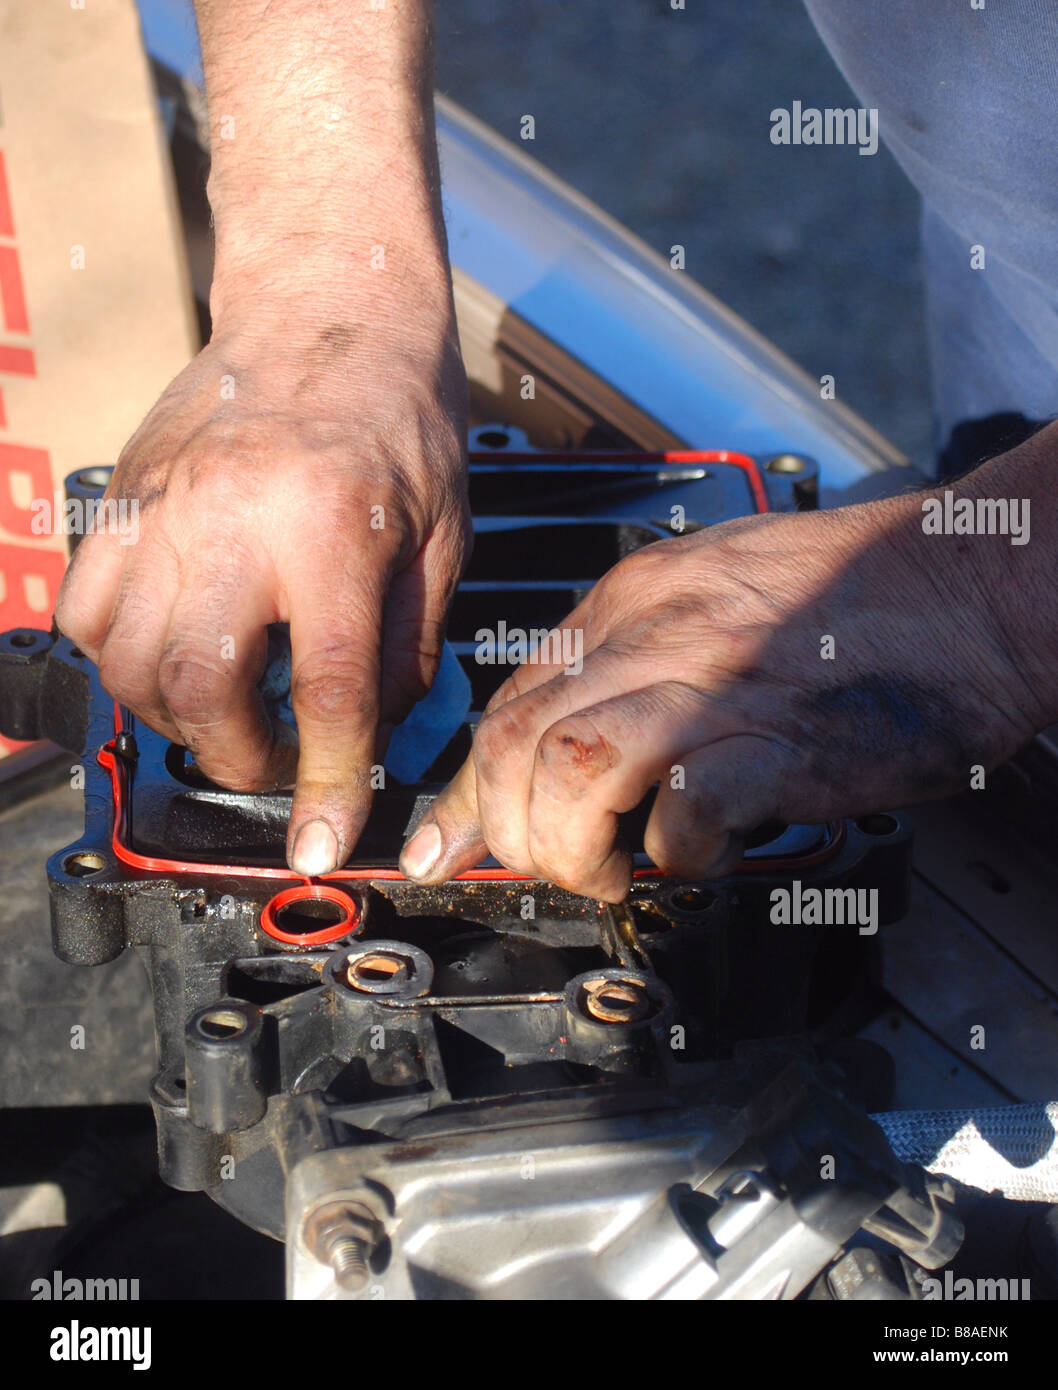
[(344, 1235), (348, 1257)]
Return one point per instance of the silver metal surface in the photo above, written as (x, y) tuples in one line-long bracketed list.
[(574, 1210)]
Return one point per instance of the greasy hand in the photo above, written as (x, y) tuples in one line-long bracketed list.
[(708, 670), (329, 493)]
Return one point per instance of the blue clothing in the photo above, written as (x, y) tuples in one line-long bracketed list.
[(967, 102)]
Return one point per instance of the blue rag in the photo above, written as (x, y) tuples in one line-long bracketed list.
[(419, 740)]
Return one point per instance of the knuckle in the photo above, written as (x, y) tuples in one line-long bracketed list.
[(701, 813), (191, 686), (235, 779), (133, 685), (499, 734), (76, 606), (113, 676), (254, 771), (650, 564), (331, 689), (70, 617)]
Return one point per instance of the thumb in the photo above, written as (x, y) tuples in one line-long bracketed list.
[(447, 840)]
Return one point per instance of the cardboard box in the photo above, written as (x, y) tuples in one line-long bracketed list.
[(96, 315)]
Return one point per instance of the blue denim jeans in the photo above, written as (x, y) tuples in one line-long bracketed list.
[(967, 102)]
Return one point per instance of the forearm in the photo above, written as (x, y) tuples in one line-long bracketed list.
[(322, 142)]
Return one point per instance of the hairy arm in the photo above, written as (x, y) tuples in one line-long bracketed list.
[(321, 121)]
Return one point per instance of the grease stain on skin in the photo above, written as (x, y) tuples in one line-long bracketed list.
[(904, 705), (332, 347), (895, 719), (337, 340), (149, 496)]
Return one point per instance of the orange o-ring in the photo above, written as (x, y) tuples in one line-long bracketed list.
[(349, 923)]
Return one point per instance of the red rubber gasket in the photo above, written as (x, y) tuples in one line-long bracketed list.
[(314, 892), (107, 758)]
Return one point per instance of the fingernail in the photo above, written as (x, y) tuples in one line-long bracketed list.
[(422, 851), (315, 849)]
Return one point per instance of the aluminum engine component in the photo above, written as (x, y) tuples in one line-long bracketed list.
[(686, 1202)]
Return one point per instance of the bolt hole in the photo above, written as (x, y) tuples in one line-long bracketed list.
[(179, 1083), (222, 1023), (494, 439), (379, 968), (878, 824), (22, 639), (616, 1001), (84, 864), (309, 915), (618, 995), (693, 899)]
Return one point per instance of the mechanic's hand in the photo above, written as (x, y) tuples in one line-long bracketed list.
[(708, 669), (330, 493)]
